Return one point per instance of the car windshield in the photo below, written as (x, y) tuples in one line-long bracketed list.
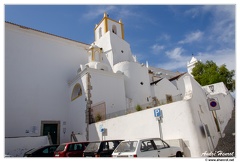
[(126, 146), (92, 147), (61, 147)]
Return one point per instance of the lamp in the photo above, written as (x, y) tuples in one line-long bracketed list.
[(211, 87)]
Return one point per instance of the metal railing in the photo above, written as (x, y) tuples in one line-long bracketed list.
[(73, 137), (50, 138), (148, 105)]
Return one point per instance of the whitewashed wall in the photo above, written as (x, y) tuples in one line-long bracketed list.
[(102, 26), (16, 147), (136, 79), (201, 116), (38, 67), (76, 110), (105, 44), (108, 87), (226, 107), (164, 87), (121, 49), (181, 120), (118, 27), (112, 46), (143, 124)]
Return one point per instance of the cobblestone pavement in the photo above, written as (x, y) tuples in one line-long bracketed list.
[(227, 143)]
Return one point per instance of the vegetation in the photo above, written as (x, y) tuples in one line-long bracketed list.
[(98, 118), (138, 108), (209, 73)]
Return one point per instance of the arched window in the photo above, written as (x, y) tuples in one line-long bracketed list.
[(76, 92), (100, 32), (114, 29)]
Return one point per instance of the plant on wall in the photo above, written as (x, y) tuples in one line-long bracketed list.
[(138, 108), (98, 117)]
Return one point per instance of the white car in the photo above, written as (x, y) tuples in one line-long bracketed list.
[(151, 147)]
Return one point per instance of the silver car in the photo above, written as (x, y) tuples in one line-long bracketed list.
[(150, 147)]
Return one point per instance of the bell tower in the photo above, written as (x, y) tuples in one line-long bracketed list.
[(109, 46), (108, 24), (191, 64)]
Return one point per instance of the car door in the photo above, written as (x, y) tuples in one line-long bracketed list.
[(47, 151), (76, 150), (147, 149), (107, 148), (71, 150), (163, 149)]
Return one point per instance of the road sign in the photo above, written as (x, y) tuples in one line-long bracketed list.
[(213, 104), (158, 112), (101, 129)]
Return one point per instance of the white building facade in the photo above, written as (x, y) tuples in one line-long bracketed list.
[(58, 86)]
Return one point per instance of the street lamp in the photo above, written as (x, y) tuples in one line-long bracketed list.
[(211, 87)]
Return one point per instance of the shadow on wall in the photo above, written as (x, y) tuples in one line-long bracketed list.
[(180, 143), (186, 150), (94, 133)]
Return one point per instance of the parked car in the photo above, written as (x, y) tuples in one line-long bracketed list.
[(71, 149), (101, 148), (151, 147), (44, 151)]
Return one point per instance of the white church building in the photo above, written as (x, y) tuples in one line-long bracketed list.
[(56, 86)]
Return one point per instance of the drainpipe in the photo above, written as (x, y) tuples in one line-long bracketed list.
[(88, 105)]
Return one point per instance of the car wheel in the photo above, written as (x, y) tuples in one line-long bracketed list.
[(179, 154)]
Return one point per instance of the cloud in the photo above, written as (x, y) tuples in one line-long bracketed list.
[(177, 60), (224, 56), (95, 11), (176, 53), (193, 12), (156, 48), (180, 66), (223, 27), (164, 36), (124, 12), (141, 57), (192, 37)]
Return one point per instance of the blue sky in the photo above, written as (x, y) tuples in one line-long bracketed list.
[(164, 35)]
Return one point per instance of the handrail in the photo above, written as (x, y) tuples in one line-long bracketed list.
[(50, 138), (73, 137)]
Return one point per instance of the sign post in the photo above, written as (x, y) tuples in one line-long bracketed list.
[(213, 105), (158, 116), (101, 129)]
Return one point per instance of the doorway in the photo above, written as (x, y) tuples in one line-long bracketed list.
[(53, 129)]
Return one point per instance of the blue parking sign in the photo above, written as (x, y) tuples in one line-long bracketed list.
[(157, 112), (101, 129)]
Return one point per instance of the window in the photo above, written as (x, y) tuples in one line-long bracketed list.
[(100, 32), (45, 151), (52, 149), (114, 29), (160, 144), (146, 146), (105, 146), (78, 147), (112, 145), (128, 146), (77, 91), (71, 147)]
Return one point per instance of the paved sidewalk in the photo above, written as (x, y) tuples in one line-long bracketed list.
[(227, 144)]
